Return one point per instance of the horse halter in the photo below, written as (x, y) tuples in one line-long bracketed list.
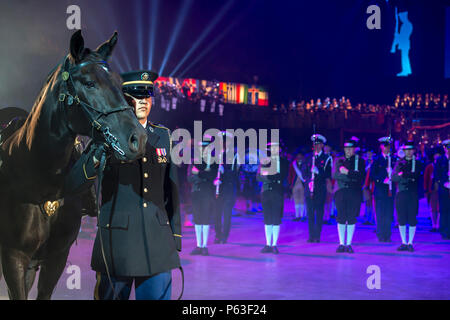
[(93, 114)]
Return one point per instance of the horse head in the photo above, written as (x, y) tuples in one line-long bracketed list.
[(91, 97)]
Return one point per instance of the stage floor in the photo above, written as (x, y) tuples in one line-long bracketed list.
[(237, 270)]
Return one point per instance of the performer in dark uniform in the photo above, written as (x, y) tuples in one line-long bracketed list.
[(139, 230), (407, 173), (442, 179), (316, 192), (381, 174), (202, 176), (226, 183), (349, 174), (272, 172)]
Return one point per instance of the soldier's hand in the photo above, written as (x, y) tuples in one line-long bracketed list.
[(217, 182), (343, 170), (99, 151), (314, 170), (194, 170)]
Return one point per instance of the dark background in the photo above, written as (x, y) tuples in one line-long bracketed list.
[(298, 49)]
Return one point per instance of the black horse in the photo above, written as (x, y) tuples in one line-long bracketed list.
[(81, 96)]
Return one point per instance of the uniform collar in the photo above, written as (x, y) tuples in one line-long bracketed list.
[(152, 137)]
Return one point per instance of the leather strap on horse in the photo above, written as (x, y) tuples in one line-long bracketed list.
[(100, 178), (92, 113)]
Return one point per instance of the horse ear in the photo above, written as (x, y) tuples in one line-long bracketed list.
[(105, 49), (77, 46)]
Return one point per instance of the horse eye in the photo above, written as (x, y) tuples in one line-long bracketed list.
[(89, 84)]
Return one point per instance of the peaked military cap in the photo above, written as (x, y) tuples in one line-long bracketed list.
[(409, 145), (318, 138), (139, 84), (385, 140)]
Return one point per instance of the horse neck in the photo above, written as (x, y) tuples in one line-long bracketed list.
[(51, 142)]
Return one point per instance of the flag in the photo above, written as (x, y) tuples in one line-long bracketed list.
[(241, 93), (231, 92), (192, 84), (223, 88), (263, 97), (253, 95)]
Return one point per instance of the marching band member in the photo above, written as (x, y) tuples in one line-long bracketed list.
[(201, 176), (349, 174), (407, 173), (272, 172), (226, 181), (316, 192), (381, 174), (432, 190), (442, 178)]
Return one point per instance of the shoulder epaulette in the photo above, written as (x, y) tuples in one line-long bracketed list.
[(157, 125)]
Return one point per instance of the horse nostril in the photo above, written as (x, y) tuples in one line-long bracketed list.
[(133, 143)]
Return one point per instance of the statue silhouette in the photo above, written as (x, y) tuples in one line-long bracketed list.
[(402, 41)]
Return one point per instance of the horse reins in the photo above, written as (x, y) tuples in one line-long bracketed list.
[(88, 109)]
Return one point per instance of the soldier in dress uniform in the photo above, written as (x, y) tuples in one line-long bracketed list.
[(272, 172), (349, 174), (201, 175), (442, 179), (407, 173), (139, 230), (226, 182), (381, 174), (316, 191)]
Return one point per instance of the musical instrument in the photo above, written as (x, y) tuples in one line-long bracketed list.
[(390, 174), (311, 183), (218, 176)]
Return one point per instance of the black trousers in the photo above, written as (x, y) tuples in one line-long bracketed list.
[(202, 205), (348, 205), (384, 207), (273, 205), (444, 210), (223, 210), (315, 208), (407, 205)]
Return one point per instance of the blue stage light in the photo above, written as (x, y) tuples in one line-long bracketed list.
[(209, 47), (138, 19), (154, 19), (180, 21), (204, 34)]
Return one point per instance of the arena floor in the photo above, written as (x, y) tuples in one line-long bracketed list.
[(237, 270)]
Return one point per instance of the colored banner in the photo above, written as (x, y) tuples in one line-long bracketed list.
[(236, 93)]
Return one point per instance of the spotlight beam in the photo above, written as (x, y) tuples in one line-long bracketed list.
[(210, 47), (180, 21), (121, 43), (154, 18), (138, 15), (115, 59), (204, 34)]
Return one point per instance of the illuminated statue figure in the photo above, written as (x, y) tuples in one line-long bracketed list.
[(402, 41)]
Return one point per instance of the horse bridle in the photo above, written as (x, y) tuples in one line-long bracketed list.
[(93, 114)]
